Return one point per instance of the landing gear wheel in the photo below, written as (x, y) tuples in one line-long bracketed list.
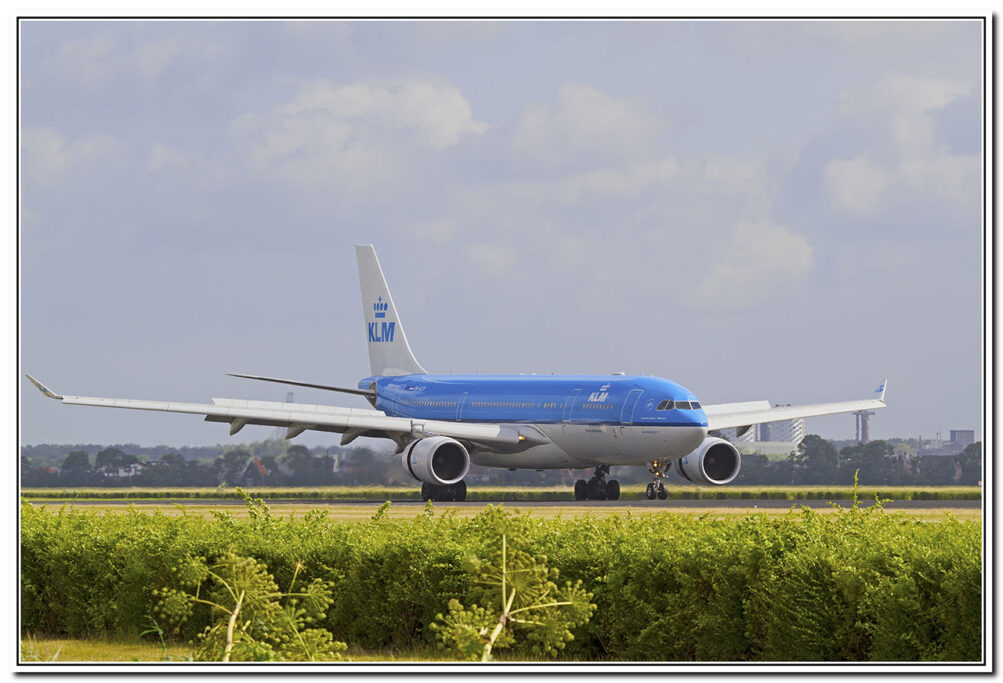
[(613, 489), (596, 489), (442, 494), (580, 489), (657, 487)]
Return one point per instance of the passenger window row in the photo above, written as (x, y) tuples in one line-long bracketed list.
[(678, 405), (430, 404)]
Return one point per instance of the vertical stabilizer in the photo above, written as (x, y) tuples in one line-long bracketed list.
[(389, 353)]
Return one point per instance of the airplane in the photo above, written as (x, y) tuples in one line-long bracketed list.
[(441, 424)]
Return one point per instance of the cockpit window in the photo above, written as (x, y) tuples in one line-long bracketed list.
[(678, 405)]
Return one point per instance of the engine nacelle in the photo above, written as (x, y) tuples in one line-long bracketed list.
[(715, 461), (436, 460)]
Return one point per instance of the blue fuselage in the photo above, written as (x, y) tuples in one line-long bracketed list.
[(569, 399)]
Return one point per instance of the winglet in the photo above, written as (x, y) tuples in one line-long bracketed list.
[(880, 391), (44, 389)]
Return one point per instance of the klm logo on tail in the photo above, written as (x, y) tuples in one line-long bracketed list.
[(381, 332)]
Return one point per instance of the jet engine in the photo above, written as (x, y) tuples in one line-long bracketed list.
[(436, 460), (715, 461)]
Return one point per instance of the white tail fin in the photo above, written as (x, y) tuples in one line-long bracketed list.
[(389, 353)]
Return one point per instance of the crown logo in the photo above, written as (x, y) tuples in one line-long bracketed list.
[(380, 308)]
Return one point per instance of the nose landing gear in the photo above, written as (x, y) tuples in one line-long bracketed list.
[(597, 488), (657, 487)]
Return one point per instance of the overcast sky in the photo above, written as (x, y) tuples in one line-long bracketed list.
[(776, 210)]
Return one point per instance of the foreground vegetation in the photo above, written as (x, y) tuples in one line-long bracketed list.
[(859, 584), (42, 650), (509, 493)]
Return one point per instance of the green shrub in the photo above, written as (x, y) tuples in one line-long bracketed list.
[(857, 584)]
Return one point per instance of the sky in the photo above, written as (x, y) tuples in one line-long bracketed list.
[(780, 210)]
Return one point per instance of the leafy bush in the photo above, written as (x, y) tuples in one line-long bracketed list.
[(856, 584), (514, 582), (249, 623)]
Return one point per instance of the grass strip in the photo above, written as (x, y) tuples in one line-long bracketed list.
[(475, 493)]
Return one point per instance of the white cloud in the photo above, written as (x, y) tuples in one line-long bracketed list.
[(746, 176), (585, 123), (86, 59), (47, 158), (164, 156), (101, 60), (437, 114), (902, 104), (352, 137), (859, 186), (895, 34), (491, 259), (439, 230), (907, 162), (760, 258), (618, 182), (856, 184), (920, 93), (894, 266), (152, 58), (955, 177), (726, 177)]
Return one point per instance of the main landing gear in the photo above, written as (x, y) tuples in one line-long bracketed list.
[(597, 488), (456, 493), (657, 487)]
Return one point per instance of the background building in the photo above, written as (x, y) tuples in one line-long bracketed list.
[(770, 438)]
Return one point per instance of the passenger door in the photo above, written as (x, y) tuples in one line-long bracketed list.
[(569, 403), (627, 414)]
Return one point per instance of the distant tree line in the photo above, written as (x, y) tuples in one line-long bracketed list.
[(816, 461), (260, 464), (276, 463)]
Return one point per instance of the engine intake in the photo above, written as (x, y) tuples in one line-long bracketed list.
[(715, 461), (436, 460)]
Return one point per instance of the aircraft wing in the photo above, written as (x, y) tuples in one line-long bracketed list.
[(299, 417), (728, 415)]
